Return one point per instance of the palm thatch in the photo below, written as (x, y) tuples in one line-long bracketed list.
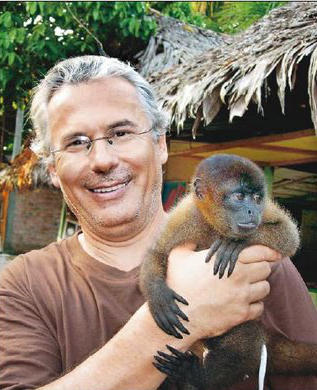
[(25, 172), (236, 74), (175, 43)]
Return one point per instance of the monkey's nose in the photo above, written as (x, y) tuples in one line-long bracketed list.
[(250, 212)]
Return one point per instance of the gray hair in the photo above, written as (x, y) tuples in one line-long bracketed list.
[(83, 69)]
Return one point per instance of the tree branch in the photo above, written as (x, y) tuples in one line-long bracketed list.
[(81, 24)]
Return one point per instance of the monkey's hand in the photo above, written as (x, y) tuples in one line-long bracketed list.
[(164, 309), (181, 367), (228, 251)]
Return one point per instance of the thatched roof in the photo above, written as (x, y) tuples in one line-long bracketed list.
[(176, 43), (25, 172), (236, 74)]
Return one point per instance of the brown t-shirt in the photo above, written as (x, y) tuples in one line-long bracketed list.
[(58, 305)]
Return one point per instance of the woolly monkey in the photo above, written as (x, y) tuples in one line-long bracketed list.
[(226, 210)]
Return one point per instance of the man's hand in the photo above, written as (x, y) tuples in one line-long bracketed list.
[(216, 305)]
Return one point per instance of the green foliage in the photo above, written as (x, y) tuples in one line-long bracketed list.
[(232, 17), (184, 11), (34, 35)]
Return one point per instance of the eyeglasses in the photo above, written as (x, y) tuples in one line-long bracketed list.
[(120, 141)]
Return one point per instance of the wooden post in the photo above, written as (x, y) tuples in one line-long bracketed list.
[(3, 217), (18, 133), (269, 175), (11, 207), (62, 222)]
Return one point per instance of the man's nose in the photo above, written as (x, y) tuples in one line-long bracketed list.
[(101, 156)]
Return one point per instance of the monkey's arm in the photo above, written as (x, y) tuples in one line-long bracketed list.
[(185, 224), (277, 231)]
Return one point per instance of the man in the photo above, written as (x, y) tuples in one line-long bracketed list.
[(71, 314)]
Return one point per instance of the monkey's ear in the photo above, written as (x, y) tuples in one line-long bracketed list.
[(198, 188)]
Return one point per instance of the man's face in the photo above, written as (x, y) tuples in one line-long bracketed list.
[(105, 188)]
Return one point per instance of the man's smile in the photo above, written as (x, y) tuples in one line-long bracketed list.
[(109, 190)]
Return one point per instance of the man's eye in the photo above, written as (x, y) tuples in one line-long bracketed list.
[(77, 142), (121, 133)]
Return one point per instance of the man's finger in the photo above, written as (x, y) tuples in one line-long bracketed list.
[(259, 290), (257, 271), (257, 253), (256, 309)]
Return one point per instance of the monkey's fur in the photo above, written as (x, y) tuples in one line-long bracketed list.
[(227, 210)]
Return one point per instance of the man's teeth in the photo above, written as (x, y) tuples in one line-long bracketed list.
[(109, 189)]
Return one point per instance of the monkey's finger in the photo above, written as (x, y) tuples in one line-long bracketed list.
[(164, 324), (159, 359), (218, 259), (232, 263), (170, 358), (223, 267), (176, 310), (175, 322), (175, 352), (234, 258), (213, 249), (221, 260), (163, 369), (179, 298), (172, 363), (225, 253)]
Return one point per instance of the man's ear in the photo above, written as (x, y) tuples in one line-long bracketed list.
[(163, 148), (54, 176)]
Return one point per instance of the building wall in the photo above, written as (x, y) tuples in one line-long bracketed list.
[(36, 217)]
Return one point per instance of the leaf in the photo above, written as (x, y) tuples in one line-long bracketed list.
[(7, 20), (131, 26), (137, 25), (95, 14), (11, 57), (20, 36), (12, 34), (32, 7)]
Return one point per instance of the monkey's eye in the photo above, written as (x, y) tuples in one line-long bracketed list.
[(257, 198), (238, 196)]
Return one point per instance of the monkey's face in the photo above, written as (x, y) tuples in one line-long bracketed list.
[(230, 192), (243, 209)]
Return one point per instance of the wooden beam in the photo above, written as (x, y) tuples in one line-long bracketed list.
[(244, 142), (285, 181), (293, 162), (278, 148)]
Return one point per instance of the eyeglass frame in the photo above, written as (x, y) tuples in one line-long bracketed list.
[(106, 138)]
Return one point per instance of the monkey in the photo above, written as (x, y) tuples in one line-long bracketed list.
[(226, 210)]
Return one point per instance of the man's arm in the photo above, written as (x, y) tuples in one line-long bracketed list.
[(289, 310), (125, 362)]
